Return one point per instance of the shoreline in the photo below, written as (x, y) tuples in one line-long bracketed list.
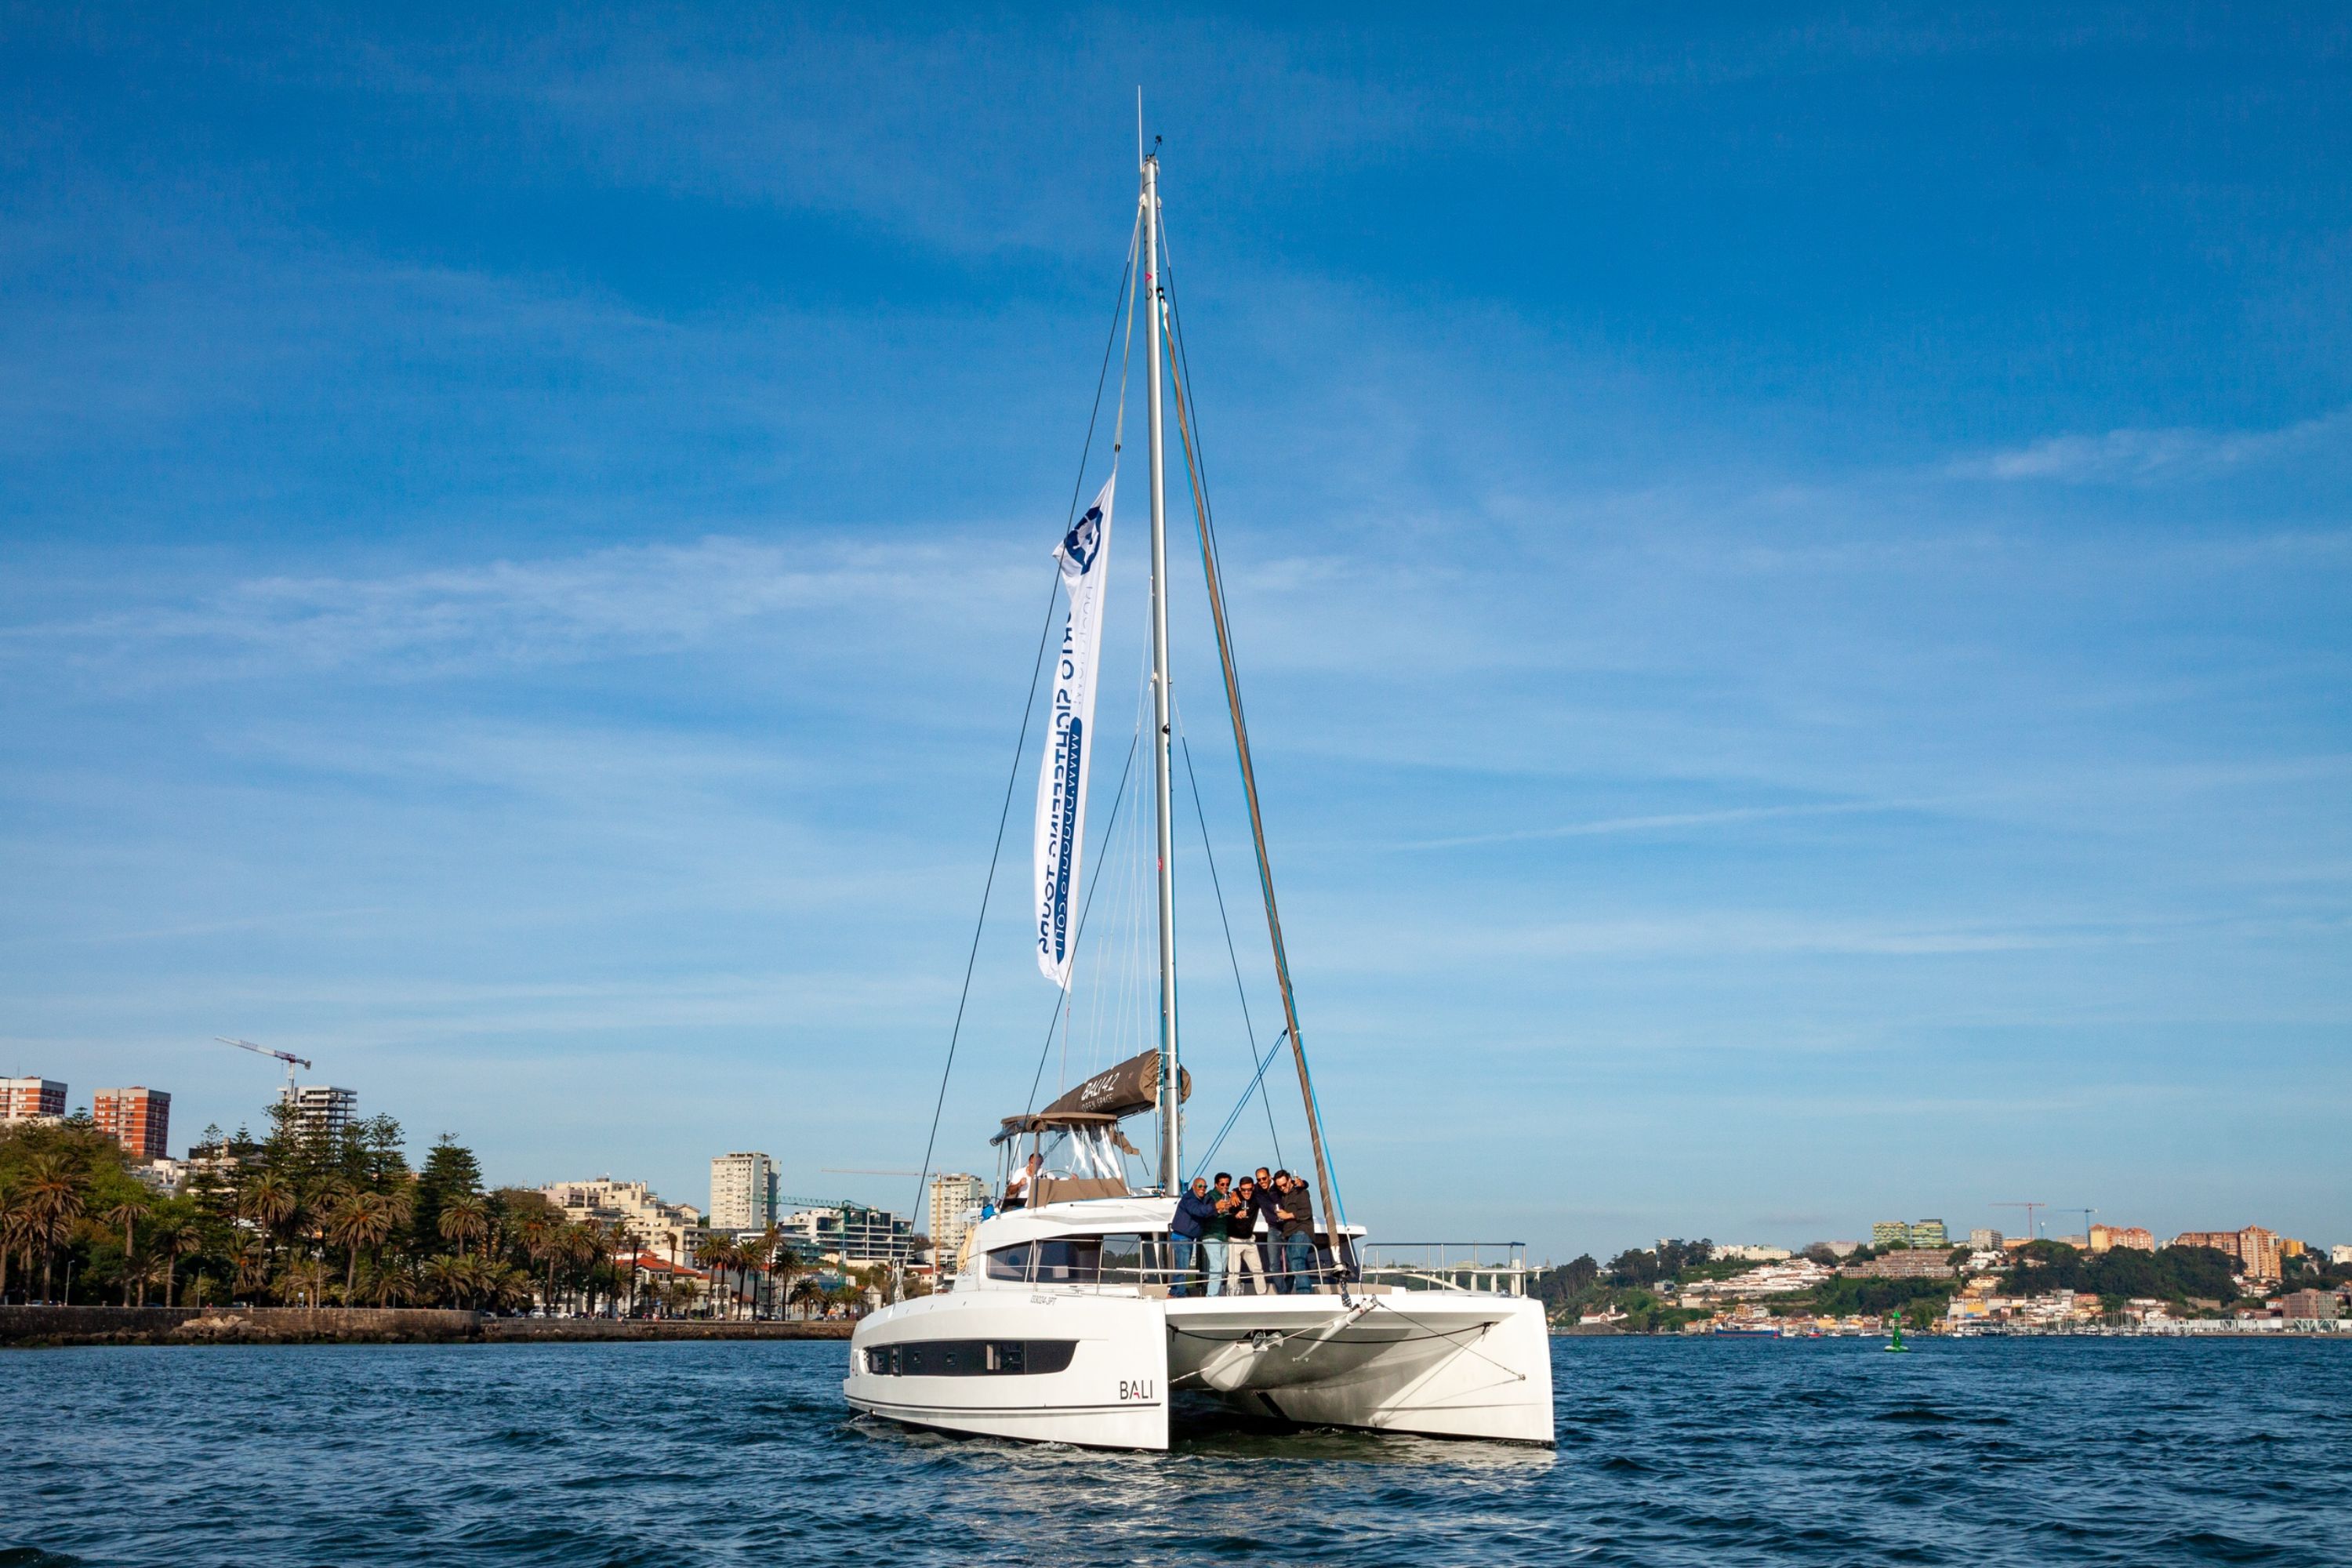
[(53, 1328)]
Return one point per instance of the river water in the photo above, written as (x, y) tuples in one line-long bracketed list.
[(1671, 1451)]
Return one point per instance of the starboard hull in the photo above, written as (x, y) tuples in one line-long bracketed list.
[(1436, 1363)]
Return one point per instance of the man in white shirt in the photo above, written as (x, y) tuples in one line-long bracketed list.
[(1021, 1185)]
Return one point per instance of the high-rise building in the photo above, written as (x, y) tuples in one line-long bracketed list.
[(1985, 1240), (2339, 1254), (2107, 1237), (320, 1111), (24, 1098), (137, 1119), (742, 1191), (953, 1195), (2317, 1305), (1929, 1233)]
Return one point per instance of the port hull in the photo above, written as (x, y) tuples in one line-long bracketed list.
[(1433, 1363)]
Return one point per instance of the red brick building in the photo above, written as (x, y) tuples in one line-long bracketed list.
[(137, 1119), (21, 1098)]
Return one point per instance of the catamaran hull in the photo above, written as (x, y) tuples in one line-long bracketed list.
[(1435, 1363), (1112, 1394)]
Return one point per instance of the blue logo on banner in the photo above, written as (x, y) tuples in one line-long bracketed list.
[(1083, 542)]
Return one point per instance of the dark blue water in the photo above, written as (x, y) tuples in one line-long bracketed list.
[(2021, 1451)]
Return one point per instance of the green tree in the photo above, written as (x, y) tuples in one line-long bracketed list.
[(450, 1171)]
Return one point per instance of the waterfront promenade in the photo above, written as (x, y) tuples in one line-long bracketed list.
[(36, 1326)]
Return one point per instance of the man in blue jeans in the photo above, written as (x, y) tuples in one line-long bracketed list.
[(1296, 1212), (1194, 1211)]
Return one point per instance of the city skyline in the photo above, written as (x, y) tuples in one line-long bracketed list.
[(1795, 672)]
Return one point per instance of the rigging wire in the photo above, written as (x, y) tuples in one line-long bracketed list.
[(1188, 424), (1201, 1161), (1125, 300), (1232, 954)]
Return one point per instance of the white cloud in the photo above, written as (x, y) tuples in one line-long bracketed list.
[(2133, 456)]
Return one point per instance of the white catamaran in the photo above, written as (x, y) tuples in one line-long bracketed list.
[(1068, 1319)]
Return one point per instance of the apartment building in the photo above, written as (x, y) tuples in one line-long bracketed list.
[(137, 1119), (320, 1110), (743, 1189), (666, 1228), (25, 1098), (953, 1194)]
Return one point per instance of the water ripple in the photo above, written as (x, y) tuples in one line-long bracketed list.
[(1672, 1452)]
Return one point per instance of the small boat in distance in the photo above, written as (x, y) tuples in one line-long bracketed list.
[(1074, 1317)]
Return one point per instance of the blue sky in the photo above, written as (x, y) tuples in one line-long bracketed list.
[(1791, 573)]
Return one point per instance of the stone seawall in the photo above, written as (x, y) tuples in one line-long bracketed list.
[(30, 1327)]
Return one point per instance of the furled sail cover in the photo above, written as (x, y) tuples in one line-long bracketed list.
[(1122, 1090)]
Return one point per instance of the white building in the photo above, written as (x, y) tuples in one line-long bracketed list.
[(2339, 1255), (667, 1229), (1746, 1254), (742, 1191), (851, 1234), (954, 1196), (320, 1110)]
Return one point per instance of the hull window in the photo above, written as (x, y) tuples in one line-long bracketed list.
[(1009, 1262), (970, 1358)]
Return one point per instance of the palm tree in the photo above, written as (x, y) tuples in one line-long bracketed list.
[(253, 1264), (363, 1219), (126, 1215), (785, 1265), (53, 1195), (537, 1235), (145, 1270), (807, 1290), (711, 1253), (15, 1229), (269, 1201), (172, 1237), (464, 1218)]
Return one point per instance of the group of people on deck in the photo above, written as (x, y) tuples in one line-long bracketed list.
[(1253, 1237)]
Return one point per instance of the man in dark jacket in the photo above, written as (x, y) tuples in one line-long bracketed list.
[(1268, 1229), (1297, 1216), (1194, 1211)]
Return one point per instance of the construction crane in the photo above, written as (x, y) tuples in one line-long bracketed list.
[(289, 1058), (2028, 1209)]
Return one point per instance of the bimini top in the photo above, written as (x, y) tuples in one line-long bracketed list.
[(1131, 1087), (1064, 1120)]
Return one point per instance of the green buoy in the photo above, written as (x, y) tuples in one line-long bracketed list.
[(1896, 1343)]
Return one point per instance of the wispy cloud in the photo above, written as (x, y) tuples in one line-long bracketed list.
[(1660, 821), (628, 599), (2138, 456)]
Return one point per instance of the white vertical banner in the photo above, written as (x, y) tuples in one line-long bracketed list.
[(1062, 779)]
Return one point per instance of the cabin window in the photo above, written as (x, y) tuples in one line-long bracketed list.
[(1125, 1261), (1009, 1262), (970, 1358), (1069, 1260)]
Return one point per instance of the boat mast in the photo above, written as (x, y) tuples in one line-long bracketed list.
[(1171, 1094)]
